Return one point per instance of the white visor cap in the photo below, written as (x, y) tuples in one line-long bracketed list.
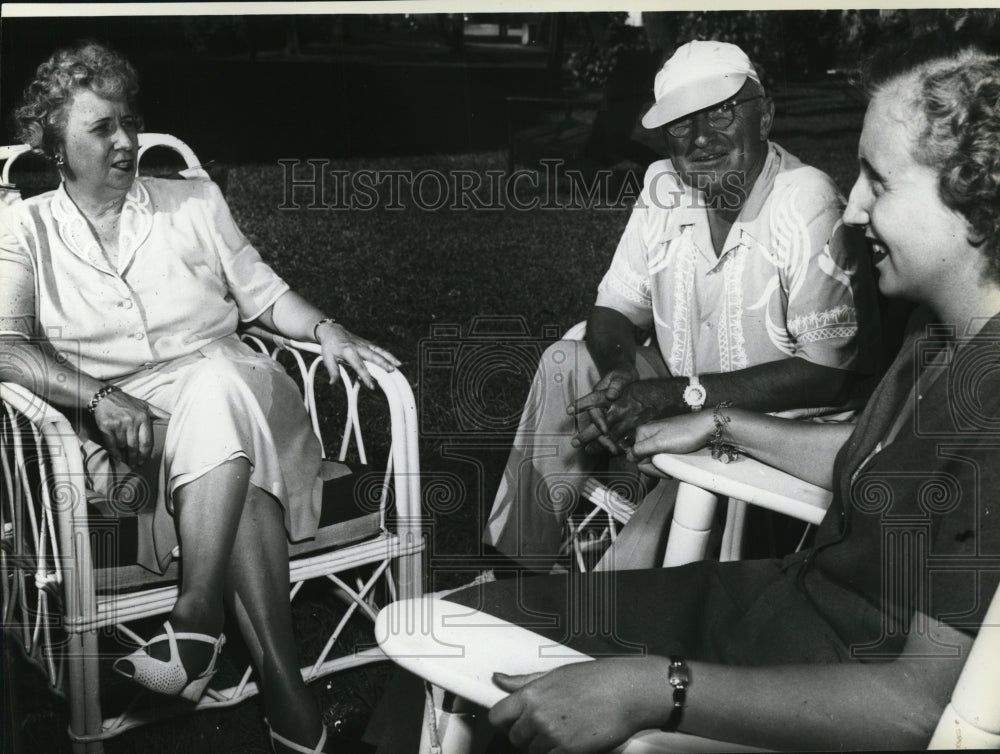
[(697, 76)]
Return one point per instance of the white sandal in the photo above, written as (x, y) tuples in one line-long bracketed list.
[(169, 676), (299, 748)]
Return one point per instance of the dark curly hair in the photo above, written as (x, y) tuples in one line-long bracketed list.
[(41, 119), (956, 90)]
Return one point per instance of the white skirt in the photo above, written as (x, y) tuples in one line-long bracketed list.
[(225, 401)]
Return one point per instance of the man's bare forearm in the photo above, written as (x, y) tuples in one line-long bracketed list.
[(610, 340), (774, 386), (780, 385)]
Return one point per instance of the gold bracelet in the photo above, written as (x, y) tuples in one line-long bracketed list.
[(325, 320)]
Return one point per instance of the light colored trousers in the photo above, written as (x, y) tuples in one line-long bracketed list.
[(545, 474)]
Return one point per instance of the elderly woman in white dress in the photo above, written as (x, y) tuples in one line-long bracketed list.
[(125, 294)]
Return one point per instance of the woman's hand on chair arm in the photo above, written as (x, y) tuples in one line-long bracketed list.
[(583, 707), (685, 433), (293, 316), (595, 706)]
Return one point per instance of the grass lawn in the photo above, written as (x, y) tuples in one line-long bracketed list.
[(507, 280)]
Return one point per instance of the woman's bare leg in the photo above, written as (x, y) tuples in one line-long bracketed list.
[(207, 512), (233, 545), (258, 585)]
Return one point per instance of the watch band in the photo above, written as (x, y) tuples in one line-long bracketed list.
[(679, 677)]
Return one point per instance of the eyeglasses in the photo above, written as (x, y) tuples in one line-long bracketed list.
[(718, 118)]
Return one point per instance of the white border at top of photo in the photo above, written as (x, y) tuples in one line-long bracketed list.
[(41, 10)]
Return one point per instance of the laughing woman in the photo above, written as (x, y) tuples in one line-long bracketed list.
[(127, 293)]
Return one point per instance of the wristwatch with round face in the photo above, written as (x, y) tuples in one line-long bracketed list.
[(695, 394)]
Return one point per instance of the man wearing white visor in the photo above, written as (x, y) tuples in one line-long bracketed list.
[(735, 257)]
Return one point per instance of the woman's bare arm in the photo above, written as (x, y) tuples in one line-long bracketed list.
[(802, 448), (125, 423), (594, 706), (294, 317)]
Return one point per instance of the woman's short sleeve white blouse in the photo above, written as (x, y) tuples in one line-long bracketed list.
[(185, 276)]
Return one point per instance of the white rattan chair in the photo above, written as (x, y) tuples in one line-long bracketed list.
[(598, 527), (59, 597)]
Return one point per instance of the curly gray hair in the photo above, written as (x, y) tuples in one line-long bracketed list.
[(41, 119)]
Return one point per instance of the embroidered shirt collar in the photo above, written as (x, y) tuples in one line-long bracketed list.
[(134, 226), (692, 211)]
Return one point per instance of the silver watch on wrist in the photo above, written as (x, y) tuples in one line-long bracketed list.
[(695, 394)]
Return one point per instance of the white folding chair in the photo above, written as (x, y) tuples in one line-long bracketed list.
[(704, 480), (58, 596), (457, 649), (425, 639)]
